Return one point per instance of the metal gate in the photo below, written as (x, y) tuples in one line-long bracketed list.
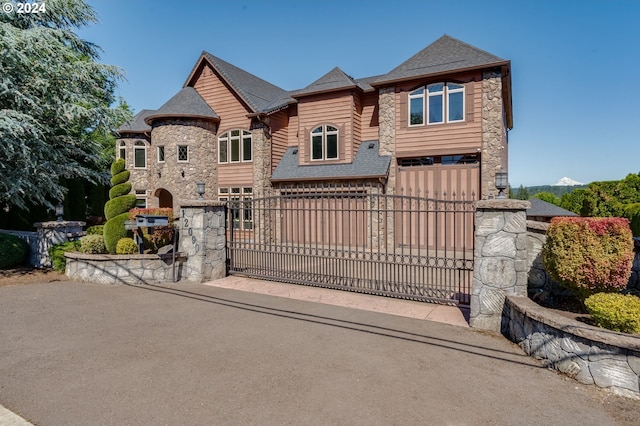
[(356, 238)]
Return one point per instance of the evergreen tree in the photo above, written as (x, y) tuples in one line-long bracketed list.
[(53, 96)]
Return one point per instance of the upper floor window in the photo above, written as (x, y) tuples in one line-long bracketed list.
[(161, 154), (235, 146), (444, 102), (324, 143), (140, 155), (122, 150), (183, 153)]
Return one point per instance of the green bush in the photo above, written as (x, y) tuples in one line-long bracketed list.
[(13, 250), (589, 255), (56, 253), (114, 231), (120, 190), (92, 244), (95, 230), (118, 166), (119, 205), (120, 178), (126, 246), (615, 311)]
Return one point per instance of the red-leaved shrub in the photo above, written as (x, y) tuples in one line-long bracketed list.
[(160, 235), (588, 254)]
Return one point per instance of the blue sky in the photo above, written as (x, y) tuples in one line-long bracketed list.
[(576, 96)]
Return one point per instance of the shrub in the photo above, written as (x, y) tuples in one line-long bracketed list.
[(117, 208), (92, 244), (56, 253), (120, 190), (589, 255), (13, 250), (114, 231), (126, 246), (119, 205), (615, 311), (95, 230), (160, 235)]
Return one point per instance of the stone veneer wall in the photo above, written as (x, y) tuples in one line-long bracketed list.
[(200, 136), (500, 259), (123, 269), (588, 354), (52, 233), (493, 132), (387, 142)]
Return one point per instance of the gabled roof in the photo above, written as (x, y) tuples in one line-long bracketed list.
[(335, 79), (544, 209), (254, 91), (137, 123), (368, 164), (444, 55), (186, 103)]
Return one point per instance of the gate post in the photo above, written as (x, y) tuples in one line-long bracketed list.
[(203, 239), (500, 259)]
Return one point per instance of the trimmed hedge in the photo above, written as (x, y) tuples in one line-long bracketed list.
[(92, 244), (589, 255), (119, 205), (13, 250), (116, 210), (120, 178), (56, 253), (615, 311), (126, 246), (119, 190), (114, 231), (118, 166)]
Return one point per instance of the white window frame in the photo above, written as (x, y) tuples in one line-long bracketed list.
[(419, 93), (122, 150), (159, 149), (142, 195), (448, 89), (324, 133), (227, 139), (242, 196), (137, 146), (178, 154), (440, 94)]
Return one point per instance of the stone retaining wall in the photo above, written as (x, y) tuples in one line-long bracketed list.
[(589, 354), (123, 269)]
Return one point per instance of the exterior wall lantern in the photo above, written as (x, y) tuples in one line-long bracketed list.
[(502, 182), (200, 190), (59, 211)]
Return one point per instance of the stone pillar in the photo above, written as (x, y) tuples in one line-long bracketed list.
[(52, 233), (493, 156), (500, 259), (203, 239), (387, 136)]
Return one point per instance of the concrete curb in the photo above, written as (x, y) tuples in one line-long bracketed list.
[(9, 418)]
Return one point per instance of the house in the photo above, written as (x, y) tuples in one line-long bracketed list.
[(543, 211), (435, 126)]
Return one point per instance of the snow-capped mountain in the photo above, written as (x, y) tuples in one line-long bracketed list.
[(565, 181)]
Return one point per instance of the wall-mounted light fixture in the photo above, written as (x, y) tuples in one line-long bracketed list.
[(159, 174), (200, 190), (182, 172), (502, 182)]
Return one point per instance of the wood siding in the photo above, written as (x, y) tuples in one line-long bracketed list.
[(465, 137), (357, 124), (222, 99), (235, 174), (369, 121), (333, 108), (279, 124)]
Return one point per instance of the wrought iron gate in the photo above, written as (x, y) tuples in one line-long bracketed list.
[(356, 239)]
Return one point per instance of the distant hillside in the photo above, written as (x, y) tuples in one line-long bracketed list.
[(553, 189)]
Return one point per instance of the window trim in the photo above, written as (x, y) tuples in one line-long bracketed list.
[(242, 195), (137, 146), (178, 160), (227, 139), (160, 148), (324, 133), (122, 150), (448, 89), (414, 95)]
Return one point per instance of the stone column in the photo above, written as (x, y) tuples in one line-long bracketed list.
[(387, 136), (52, 233), (203, 239), (500, 259), (493, 133)]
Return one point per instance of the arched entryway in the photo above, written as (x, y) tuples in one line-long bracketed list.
[(165, 199)]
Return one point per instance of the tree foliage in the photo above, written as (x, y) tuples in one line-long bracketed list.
[(55, 100), (548, 197)]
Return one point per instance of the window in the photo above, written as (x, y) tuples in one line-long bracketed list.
[(122, 150), (141, 198), (445, 160), (235, 146), (139, 155), (161, 154), (242, 212), (444, 103), (324, 143), (183, 153)]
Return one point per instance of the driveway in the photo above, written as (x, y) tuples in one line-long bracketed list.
[(88, 354)]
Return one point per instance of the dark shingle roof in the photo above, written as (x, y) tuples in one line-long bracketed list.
[(186, 103), (443, 55), (137, 123), (256, 92), (335, 79), (367, 164), (544, 209)]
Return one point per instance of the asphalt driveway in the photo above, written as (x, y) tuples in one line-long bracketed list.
[(88, 354)]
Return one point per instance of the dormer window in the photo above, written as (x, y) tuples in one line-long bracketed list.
[(235, 146), (324, 143), (444, 104)]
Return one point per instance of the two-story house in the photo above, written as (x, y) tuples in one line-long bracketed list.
[(436, 126)]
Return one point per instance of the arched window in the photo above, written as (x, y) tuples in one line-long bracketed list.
[(140, 155), (122, 150), (324, 143), (235, 146)]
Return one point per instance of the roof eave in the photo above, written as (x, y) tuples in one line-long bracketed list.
[(314, 178), (321, 92), (151, 118)]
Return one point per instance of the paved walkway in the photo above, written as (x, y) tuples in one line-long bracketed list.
[(193, 354)]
